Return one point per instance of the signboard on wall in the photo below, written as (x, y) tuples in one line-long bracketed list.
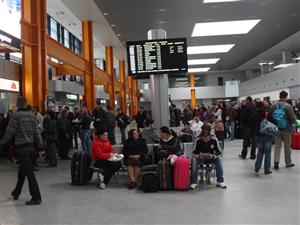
[(11, 11), (9, 85)]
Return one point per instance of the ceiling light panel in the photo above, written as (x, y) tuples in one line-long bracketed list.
[(218, 1), (195, 70), (224, 28), (206, 49), (203, 61)]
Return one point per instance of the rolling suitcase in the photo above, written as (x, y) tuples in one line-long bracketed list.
[(164, 173), (80, 168), (295, 141), (181, 175)]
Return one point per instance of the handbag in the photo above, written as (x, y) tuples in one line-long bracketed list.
[(268, 128)]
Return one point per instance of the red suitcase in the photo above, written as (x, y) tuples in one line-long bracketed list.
[(181, 175), (295, 141)]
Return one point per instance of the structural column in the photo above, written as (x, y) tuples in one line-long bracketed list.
[(137, 97), (110, 71), (123, 90), (34, 56), (193, 92), (130, 85), (88, 55), (159, 85)]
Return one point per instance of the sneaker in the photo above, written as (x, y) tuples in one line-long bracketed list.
[(221, 185), (193, 186), (34, 202), (132, 185), (207, 176), (290, 165), (102, 186), (276, 165), (100, 178), (256, 172), (268, 172)]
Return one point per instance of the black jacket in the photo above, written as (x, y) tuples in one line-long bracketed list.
[(209, 147), (172, 146), (50, 130), (135, 147)]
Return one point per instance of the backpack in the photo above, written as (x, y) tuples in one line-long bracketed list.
[(150, 183), (279, 116), (268, 128)]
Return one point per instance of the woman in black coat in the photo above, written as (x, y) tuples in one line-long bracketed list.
[(134, 150)]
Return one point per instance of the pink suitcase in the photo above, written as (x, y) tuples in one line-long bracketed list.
[(181, 173)]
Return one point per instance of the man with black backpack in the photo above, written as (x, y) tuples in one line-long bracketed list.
[(285, 117)]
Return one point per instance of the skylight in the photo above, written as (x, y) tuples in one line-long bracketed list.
[(283, 65), (195, 70), (203, 61), (224, 28), (205, 49)]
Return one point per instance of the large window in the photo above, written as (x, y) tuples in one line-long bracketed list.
[(66, 38), (53, 29)]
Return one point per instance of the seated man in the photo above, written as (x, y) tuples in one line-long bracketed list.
[(102, 154), (186, 133), (207, 152), (149, 133)]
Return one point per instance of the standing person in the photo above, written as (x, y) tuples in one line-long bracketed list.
[(85, 123), (64, 129), (122, 121), (70, 117), (99, 116), (76, 126), (218, 113), (187, 114), (285, 117), (140, 118), (134, 151), (230, 114), (111, 124), (50, 137), (24, 127), (59, 112), (249, 122), (263, 142)]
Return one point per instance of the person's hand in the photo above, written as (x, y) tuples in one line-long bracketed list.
[(211, 156), (201, 157), (111, 154)]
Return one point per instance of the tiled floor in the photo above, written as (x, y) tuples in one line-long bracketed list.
[(249, 199)]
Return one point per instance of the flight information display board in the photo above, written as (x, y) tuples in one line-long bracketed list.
[(157, 56)]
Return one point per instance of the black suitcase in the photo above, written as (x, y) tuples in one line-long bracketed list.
[(165, 175), (150, 183), (80, 168)]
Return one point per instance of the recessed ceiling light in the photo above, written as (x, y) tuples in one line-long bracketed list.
[(60, 13), (216, 1), (203, 61), (195, 70), (162, 22), (105, 14), (205, 49), (283, 65), (161, 10), (224, 28), (112, 25)]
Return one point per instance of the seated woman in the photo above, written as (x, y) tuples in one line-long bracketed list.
[(207, 152), (101, 153), (134, 150), (169, 144)]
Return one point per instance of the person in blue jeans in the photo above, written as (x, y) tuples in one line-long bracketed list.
[(263, 142), (207, 152)]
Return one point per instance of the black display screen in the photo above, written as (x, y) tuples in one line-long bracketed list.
[(161, 56)]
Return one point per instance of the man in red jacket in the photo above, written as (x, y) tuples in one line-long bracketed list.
[(102, 151)]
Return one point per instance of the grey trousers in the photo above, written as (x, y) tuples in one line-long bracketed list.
[(286, 139)]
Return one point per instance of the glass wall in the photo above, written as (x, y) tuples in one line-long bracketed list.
[(63, 36)]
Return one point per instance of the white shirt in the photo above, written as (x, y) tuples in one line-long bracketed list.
[(196, 127), (218, 114)]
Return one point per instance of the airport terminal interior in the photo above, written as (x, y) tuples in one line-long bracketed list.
[(149, 112)]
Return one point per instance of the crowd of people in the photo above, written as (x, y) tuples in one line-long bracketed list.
[(28, 132)]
